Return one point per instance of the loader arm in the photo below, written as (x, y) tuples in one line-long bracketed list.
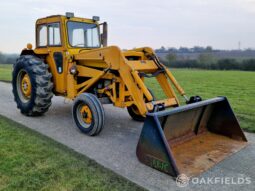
[(113, 57), (130, 74)]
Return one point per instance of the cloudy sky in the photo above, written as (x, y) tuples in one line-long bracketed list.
[(134, 23)]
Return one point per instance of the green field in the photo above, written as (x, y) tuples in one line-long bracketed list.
[(30, 161), (238, 86), (5, 72)]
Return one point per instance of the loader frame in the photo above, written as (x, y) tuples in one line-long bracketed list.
[(84, 69)]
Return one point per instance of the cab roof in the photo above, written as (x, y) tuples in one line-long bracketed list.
[(55, 18)]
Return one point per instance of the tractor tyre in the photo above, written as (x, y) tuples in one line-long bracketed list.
[(88, 114), (32, 86), (134, 112)]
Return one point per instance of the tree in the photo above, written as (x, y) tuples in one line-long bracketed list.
[(206, 60), (1, 58), (171, 57), (8, 58), (228, 64), (184, 50), (198, 49), (248, 65), (162, 49), (209, 49)]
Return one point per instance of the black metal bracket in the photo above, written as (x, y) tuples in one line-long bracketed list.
[(142, 74), (158, 107), (194, 99)]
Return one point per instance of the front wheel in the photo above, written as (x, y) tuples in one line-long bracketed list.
[(134, 112), (88, 114)]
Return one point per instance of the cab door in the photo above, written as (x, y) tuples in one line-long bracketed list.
[(57, 56)]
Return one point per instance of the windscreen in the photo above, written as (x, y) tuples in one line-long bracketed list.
[(83, 35)]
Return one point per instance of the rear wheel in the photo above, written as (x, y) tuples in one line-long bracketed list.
[(32, 86), (88, 114), (134, 112)]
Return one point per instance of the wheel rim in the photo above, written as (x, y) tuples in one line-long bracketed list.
[(24, 86), (84, 115)]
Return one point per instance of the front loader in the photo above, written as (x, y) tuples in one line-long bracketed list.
[(72, 59)]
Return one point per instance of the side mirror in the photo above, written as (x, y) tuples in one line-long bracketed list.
[(104, 34)]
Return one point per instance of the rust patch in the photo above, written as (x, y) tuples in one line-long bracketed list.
[(176, 141), (203, 151)]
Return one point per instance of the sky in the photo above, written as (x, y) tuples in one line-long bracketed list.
[(136, 23)]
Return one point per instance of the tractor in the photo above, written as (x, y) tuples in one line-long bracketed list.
[(71, 58)]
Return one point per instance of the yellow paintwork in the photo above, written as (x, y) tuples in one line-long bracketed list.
[(26, 86), (121, 70), (87, 118)]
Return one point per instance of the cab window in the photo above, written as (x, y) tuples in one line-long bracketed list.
[(42, 35), (83, 35), (54, 34)]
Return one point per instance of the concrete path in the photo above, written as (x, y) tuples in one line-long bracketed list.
[(115, 147)]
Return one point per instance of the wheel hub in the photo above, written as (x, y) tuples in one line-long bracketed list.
[(26, 86), (86, 114)]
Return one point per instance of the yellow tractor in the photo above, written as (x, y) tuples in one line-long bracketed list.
[(72, 59)]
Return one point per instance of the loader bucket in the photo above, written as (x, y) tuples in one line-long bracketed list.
[(190, 139)]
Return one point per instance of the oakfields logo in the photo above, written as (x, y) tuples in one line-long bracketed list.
[(183, 180)]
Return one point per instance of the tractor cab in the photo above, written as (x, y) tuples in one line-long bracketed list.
[(69, 33), (59, 38)]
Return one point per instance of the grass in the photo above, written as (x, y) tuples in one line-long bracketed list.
[(237, 86), (5, 72), (30, 161)]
